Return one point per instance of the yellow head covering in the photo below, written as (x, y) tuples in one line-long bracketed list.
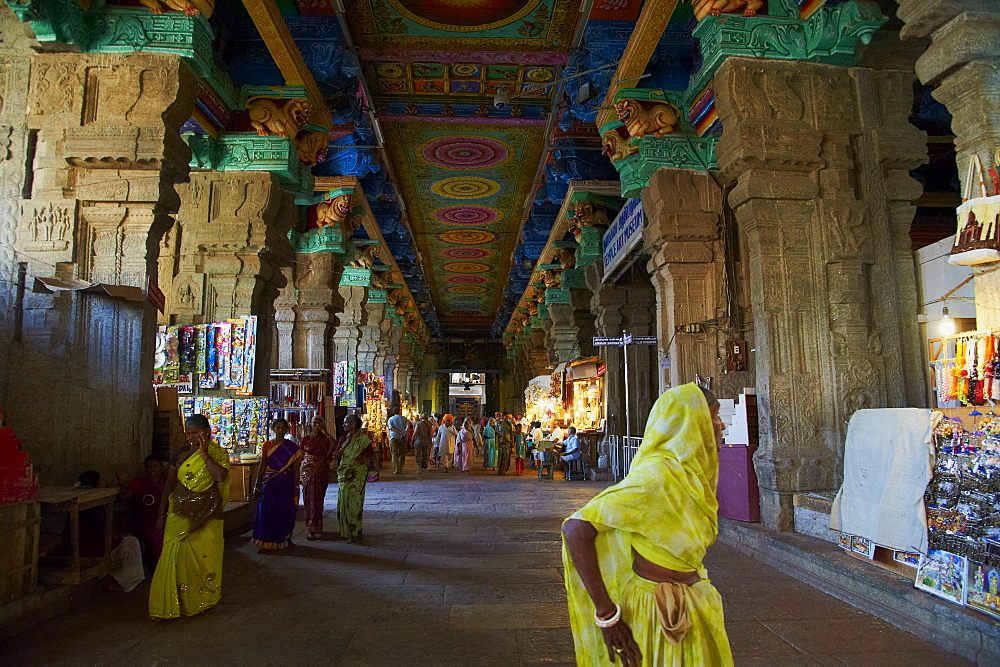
[(666, 506)]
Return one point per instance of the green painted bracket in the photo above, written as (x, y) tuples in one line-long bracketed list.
[(324, 239), (572, 279), (245, 152), (831, 35), (556, 295), (613, 204), (378, 295), (590, 248), (546, 267), (673, 151), (543, 312), (316, 196), (275, 92), (563, 244), (356, 277)]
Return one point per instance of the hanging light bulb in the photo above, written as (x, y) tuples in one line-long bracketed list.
[(946, 326)]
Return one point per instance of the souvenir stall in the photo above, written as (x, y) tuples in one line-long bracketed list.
[(583, 398), (966, 368), (297, 396), (539, 405), (376, 414), (212, 368)]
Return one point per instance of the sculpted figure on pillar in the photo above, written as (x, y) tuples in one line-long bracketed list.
[(703, 8), (564, 257), (616, 147), (334, 211), (641, 117), (189, 7), (552, 278), (281, 118), (312, 147), (365, 258)]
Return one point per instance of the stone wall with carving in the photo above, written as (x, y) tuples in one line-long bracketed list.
[(224, 257), (820, 157), (108, 155)]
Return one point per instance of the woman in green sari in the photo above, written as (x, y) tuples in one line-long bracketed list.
[(352, 475), (188, 578)]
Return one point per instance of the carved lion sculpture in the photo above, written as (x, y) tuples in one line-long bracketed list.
[(366, 258), (552, 279), (270, 117), (588, 214), (532, 308), (334, 211), (658, 119), (189, 7), (565, 257), (615, 148), (703, 8), (312, 147)]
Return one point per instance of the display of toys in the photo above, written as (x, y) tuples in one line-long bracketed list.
[(207, 355), (239, 425)]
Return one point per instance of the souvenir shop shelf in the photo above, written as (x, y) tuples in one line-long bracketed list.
[(240, 425), (585, 394), (219, 356), (297, 396), (966, 368)]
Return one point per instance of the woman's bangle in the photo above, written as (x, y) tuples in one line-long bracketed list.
[(608, 622)]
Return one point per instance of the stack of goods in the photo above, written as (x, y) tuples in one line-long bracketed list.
[(18, 483), (963, 514), (297, 403), (220, 355), (345, 382), (240, 425)]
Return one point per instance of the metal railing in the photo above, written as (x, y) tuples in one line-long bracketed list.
[(620, 452)]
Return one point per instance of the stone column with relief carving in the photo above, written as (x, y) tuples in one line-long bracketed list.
[(317, 277), (230, 246), (639, 313), (682, 211), (820, 157), (963, 62), (606, 305), (107, 157)]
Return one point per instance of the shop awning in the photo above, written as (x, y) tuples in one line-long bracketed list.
[(543, 381), (54, 285)]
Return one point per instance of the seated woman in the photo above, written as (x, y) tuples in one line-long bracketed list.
[(143, 495), (636, 585)]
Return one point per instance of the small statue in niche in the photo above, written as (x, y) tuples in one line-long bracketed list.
[(703, 8), (552, 279), (366, 258), (334, 211), (658, 119), (565, 257), (615, 147), (189, 7), (270, 119), (312, 147)]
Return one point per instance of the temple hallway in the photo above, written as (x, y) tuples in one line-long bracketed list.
[(454, 570)]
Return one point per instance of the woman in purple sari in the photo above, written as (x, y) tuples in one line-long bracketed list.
[(276, 509)]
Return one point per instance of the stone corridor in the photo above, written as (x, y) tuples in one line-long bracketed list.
[(454, 570)]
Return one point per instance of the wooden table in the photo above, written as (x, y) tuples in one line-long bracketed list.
[(72, 501)]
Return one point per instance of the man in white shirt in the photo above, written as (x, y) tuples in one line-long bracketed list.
[(398, 426), (558, 433), (572, 451)]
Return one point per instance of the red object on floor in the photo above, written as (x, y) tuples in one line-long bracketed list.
[(739, 497)]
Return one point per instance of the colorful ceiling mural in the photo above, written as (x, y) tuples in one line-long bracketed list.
[(465, 187)]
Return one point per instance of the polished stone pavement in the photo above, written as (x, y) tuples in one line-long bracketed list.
[(453, 570)]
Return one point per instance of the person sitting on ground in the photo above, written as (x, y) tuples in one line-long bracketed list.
[(637, 589), (142, 495)]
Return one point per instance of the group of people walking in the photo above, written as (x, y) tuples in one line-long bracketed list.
[(437, 441), (637, 589)]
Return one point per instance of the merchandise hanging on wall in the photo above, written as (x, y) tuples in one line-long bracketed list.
[(584, 387), (966, 368), (220, 355), (296, 395), (239, 425), (345, 384)]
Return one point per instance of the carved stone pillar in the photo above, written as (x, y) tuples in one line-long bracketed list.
[(643, 386), (820, 156), (370, 336), (106, 161), (317, 276), (682, 210), (606, 305), (572, 326), (284, 321), (964, 63), (231, 245), (349, 322)]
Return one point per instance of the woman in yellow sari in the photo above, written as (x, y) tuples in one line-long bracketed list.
[(635, 581), (188, 578)]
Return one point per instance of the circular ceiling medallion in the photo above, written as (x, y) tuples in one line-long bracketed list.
[(539, 75), (468, 236), (394, 86), (466, 267), (467, 299), (464, 214), (466, 280), (465, 187), (468, 289), (458, 152), (391, 71), (465, 69), (466, 253), (462, 15)]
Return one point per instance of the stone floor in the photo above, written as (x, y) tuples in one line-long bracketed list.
[(454, 570)]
